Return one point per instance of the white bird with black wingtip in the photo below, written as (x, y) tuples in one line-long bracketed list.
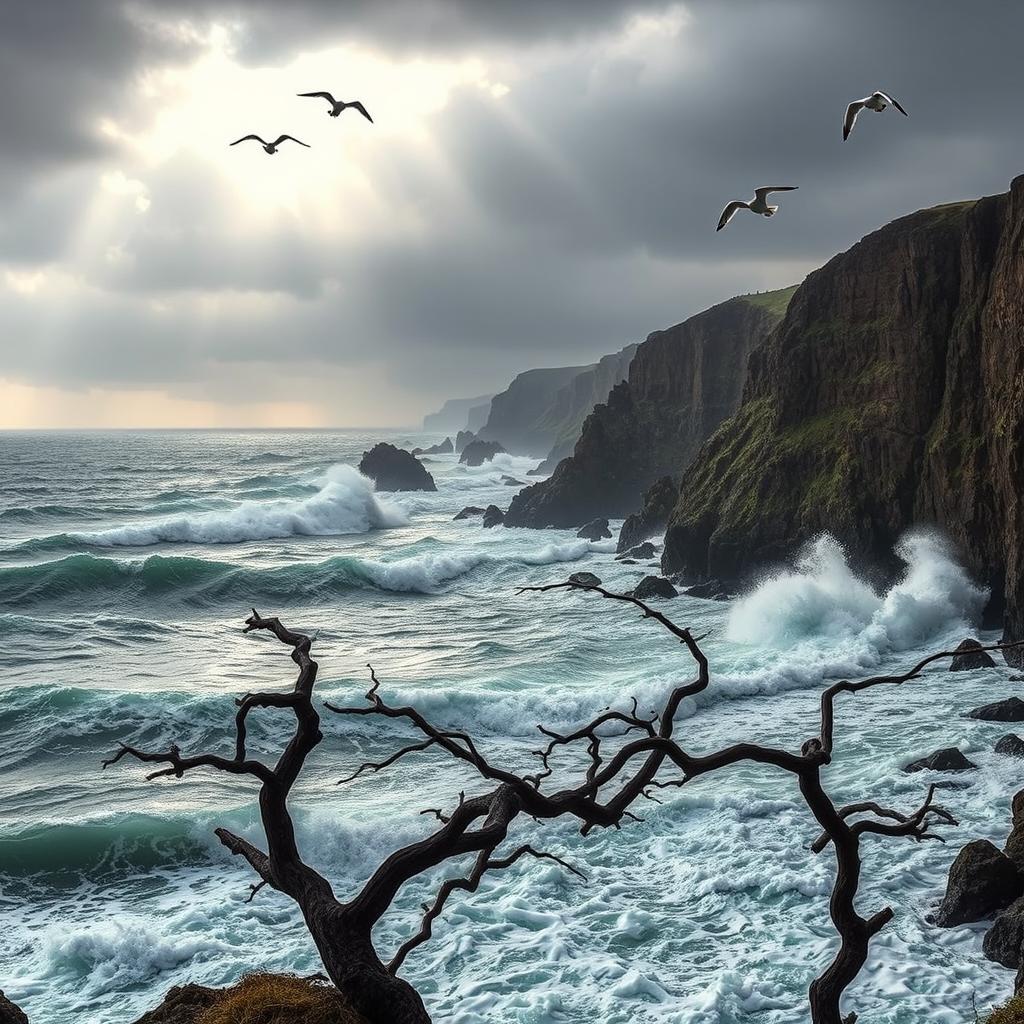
[(877, 102), (758, 204)]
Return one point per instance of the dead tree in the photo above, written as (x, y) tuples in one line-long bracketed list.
[(611, 786)]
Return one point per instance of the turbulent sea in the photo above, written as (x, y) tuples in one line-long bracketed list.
[(128, 562)]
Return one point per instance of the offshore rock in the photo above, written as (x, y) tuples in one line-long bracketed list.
[(394, 469), (949, 759), (981, 881), (654, 586), (476, 453), (651, 520), (493, 516), (1009, 710), (969, 656), (596, 529)]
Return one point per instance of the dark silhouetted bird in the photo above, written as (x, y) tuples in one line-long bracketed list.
[(270, 147), (877, 101), (755, 205), (337, 106)]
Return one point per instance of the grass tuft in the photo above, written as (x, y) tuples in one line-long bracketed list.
[(280, 999)]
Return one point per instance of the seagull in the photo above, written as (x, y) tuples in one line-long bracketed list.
[(270, 147), (755, 205), (877, 101), (337, 106)]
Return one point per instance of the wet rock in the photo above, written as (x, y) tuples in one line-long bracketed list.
[(9, 1013), (654, 586), (1009, 710), (462, 438), (1011, 745), (629, 561), (469, 511), (709, 590), (1014, 848), (183, 1004), (645, 550), (585, 579), (511, 481), (493, 516), (394, 469), (1003, 941), (659, 501), (969, 656), (444, 448), (949, 759), (596, 529), (476, 453), (981, 881)]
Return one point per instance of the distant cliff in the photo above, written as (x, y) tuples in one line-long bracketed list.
[(891, 395), (453, 415), (683, 382)]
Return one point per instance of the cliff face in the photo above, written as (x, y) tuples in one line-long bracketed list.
[(453, 415), (517, 414), (891, 395), (683, 382)]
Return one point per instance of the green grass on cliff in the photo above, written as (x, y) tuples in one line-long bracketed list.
[(776, 302)]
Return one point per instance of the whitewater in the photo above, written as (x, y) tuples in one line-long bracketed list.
[(128, 562)]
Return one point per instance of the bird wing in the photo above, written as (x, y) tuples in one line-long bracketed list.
[(888, 99), (356, 105), (285, 138), (246, 138), (320, 95), (729, 212), (851, 117), (765, 190)]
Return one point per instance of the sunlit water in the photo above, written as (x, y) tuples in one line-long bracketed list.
[(127, 565)]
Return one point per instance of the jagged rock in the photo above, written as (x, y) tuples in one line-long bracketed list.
[(1011, 745), (476, 453), (654, 586), (972, 656), (1009, 710), (931, 306), (645, 550), (585, 579), (1003, 941), (981, 881), (1014, 847), (683, 382), (651, 520), (1016, 679), (9, 1013), (596, 529), (469, 511), (462, 438), (629, 561), (949, 759), (183, 1004), (511, 481), (444, 448), (394, 469), (709, 591), (493, 516)]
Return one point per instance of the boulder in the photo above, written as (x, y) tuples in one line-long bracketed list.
[(970, 655), (1014, 848), (654, 586), (645, 550), (596, 529), (394, 469), (444, 448), (948, 759), (710, 590), (9, 1013), (1009, 710), (493, 516), (1003, 941), (659, 501), (476, 453), (981, 881), (585, 579), (511, 481), (1011, 745), (469, 511), (462, 438), (183, 1004)]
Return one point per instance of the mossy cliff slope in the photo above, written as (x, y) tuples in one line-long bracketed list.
[(889, 396), (683, 382)]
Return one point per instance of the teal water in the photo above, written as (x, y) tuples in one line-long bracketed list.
[(128, 562)]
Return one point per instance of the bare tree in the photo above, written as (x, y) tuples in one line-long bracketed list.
[(479, 825)]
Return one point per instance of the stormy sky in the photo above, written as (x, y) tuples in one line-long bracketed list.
[(540, 186)]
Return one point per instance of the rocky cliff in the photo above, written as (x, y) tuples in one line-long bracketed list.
[(683, 382), (454, 415), (890, 396)]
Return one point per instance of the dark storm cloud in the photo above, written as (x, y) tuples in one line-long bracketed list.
[(581, 208)]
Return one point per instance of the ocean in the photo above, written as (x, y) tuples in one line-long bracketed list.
[(128, 563)]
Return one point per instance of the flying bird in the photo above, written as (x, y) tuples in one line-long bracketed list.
[(877, 101), (270, 147), (337, 106), (755, 205)]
